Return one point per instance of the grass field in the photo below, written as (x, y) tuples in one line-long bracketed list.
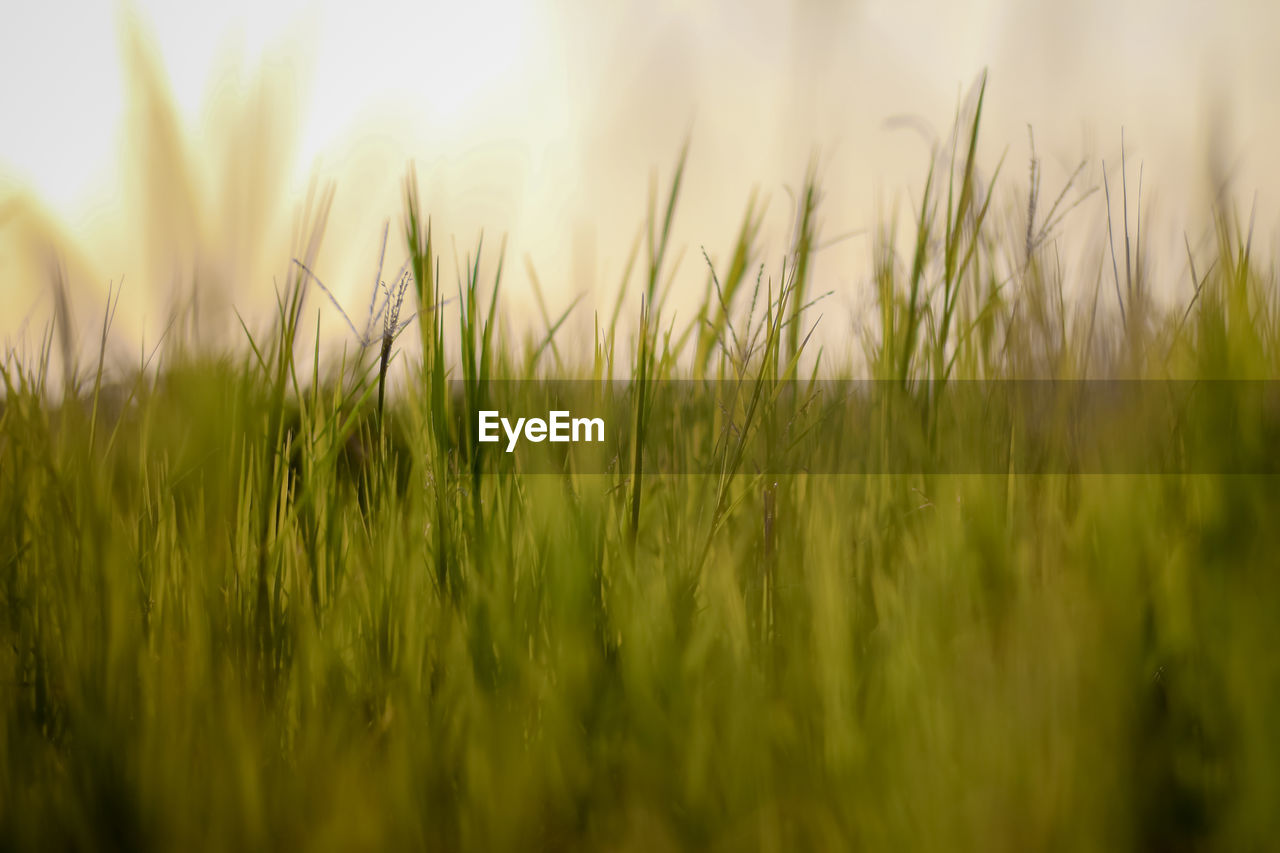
[(273, 598)]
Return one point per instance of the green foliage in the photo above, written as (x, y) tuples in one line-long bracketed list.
[(241, 610)]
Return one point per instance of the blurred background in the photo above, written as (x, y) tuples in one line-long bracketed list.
[(172, 145)]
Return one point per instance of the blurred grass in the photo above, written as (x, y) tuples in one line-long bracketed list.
[(243, 610)]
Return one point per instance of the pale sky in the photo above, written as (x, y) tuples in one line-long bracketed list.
[(543, 120)]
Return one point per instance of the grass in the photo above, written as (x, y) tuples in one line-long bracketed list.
[(240, 609)]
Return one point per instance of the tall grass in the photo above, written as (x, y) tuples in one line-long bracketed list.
[(243, 610)]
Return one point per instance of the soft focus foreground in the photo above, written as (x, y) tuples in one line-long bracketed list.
[(242, 608)]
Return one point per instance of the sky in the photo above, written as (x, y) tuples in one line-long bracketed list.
[(544, 120)]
